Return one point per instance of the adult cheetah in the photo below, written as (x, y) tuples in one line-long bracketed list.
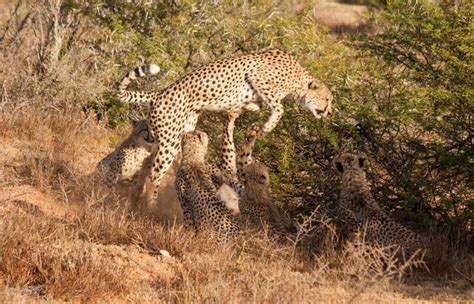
[(363, 214), (229, 84), (202, 209)]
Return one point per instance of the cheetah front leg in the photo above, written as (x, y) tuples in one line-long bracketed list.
[(264, 91), (275, 116), (247, 147), (188, 218), (228, 146)]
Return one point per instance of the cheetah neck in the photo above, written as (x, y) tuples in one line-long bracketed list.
[(194, 157), (356, 194), (257, 193), (354, 182)]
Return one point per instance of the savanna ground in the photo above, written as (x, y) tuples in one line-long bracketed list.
[(64, 238)]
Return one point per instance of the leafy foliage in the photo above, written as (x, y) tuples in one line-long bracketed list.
[(404, 96), (419, 127)]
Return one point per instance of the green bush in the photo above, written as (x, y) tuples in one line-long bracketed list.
[(403, 95), (418, 109)]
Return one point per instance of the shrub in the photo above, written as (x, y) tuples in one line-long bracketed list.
[(415, 110), (402, 95)]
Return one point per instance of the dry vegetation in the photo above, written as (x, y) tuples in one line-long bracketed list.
[(62, 238)]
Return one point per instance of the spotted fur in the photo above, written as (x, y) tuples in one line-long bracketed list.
[(126, 166), (202, 209), (363, 214)]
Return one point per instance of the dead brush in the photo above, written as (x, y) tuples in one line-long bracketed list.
[(112, 223), (56, 143), (43, 166), (450, 255), (316, 234), (42, 253), (257, 268), (370, 263)]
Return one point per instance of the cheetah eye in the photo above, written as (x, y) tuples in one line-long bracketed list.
[(339, 167)]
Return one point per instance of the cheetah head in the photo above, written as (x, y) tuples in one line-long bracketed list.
[(194, 144), (256, 173), (141, 135), (318, 99), (348, 162), (130, 156)]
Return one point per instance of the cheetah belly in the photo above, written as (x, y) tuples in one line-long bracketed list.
[(236, 99)]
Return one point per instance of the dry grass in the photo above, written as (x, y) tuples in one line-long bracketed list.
[(342, 18), (36, 252), (96, 250)]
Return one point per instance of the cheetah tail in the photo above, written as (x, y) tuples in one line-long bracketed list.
[(146, 70)]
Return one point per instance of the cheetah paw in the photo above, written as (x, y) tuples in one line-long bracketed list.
[(253, 130)]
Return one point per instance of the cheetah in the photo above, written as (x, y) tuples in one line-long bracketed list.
[(123, 169), (126, 168), (243, 82), (256, 205), (202, 209), (363, 214), (227, 193)]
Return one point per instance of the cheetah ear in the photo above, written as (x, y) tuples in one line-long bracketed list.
[(314, 84), (202, 137), (361, 162), (339, 167), (134, 121), (263, 178)]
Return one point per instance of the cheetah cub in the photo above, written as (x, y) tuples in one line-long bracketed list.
[(125, 168), (195, 185), (256, 206), (364, 214)]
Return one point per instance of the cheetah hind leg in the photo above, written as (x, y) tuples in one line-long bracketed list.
[(168, 147)]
